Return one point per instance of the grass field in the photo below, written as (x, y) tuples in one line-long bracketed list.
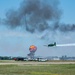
[(53, 69)]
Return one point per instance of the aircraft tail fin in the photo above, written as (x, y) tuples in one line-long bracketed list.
[(55, 43)]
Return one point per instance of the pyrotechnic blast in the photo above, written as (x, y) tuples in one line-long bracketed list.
[(32, 50)]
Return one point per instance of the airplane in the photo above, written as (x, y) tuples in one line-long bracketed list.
[(51, 45)]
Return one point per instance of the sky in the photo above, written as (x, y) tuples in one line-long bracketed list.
[(16, 42)]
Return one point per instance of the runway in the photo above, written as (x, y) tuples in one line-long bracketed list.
[(34, 63)]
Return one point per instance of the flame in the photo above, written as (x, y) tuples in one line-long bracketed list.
[(33, 48)]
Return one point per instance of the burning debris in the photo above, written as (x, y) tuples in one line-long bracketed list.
[(32, 50)]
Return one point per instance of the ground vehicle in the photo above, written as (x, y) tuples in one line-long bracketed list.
[(19, 59), (41, 59)]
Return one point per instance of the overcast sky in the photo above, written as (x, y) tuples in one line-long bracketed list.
[(16, 42)]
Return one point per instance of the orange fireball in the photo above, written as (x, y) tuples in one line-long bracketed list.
[(32, 48)]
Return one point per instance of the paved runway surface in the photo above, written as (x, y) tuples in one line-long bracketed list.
[(34, 63)]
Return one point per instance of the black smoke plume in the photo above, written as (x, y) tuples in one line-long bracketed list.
[(37, 15), (31, 55), (34, 15)]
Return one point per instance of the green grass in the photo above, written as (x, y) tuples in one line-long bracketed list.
[(66, 69)]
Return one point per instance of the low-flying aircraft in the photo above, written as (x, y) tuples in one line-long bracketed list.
[(51, 45)]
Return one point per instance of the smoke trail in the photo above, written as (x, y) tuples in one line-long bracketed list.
[(61, 45)]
